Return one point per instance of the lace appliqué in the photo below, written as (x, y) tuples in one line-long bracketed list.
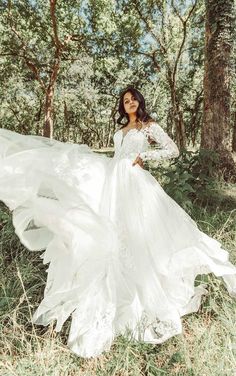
[(124, 254), (104, 319), (165, 148), (162, 329)]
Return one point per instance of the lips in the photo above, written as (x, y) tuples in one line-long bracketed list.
[(133, 105)]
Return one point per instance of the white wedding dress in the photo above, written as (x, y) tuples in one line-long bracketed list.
[(122, 254)]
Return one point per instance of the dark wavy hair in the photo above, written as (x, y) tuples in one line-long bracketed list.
[(142, 115)]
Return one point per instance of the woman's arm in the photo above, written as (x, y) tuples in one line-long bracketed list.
[(165, 148)]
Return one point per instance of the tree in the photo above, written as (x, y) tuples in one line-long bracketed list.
[(218, 74), (42, 37), (168, 24)]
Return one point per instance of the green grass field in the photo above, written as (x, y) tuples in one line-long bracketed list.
[(206, 347)]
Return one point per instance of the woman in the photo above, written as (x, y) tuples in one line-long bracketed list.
[(123, 254)]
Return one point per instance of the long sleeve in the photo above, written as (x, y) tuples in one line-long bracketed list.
[(165, 148)]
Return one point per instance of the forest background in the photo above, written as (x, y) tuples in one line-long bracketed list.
[(63, 65)]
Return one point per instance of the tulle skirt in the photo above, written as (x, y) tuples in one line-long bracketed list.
[(122, 254)]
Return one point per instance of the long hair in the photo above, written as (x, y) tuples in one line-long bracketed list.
[(142, 115)]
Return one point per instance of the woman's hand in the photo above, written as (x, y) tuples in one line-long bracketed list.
[(139, 161)]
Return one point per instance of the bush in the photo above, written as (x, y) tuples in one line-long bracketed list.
[(188, 177)]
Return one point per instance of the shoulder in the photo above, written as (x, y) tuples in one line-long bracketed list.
[(151, 125)]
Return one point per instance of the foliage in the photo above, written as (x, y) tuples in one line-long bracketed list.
[(113, 44), (189, 176)]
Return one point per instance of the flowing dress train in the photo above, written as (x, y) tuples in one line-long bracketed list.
[(123, 255)]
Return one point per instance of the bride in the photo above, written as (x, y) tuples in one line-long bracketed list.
[(123, 255)]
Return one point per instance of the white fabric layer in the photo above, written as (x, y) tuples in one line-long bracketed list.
[(122, 254)]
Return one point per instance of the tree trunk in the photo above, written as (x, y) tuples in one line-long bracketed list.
[(48, 121), (234, 133), (177, 113), (66, 120), (38, 117), (215, 133)]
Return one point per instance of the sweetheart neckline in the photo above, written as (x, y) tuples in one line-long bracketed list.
[(124, 134), (131, 129), (142, 129)]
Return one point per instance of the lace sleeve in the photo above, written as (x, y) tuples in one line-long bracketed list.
[(165, 148)]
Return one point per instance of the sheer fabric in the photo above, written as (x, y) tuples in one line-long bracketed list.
[(122, 255)]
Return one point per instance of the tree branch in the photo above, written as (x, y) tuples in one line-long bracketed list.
[(23, 47), (56, 40), (146, 22), (184, 24)]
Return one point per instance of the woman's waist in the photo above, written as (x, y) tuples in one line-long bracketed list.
[(126, 155)]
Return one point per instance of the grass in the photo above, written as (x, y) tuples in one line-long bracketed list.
[(206, 347)]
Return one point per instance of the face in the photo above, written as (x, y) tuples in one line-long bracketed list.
[(130, 103)]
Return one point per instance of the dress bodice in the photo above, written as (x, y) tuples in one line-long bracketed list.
[(137, 142)]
